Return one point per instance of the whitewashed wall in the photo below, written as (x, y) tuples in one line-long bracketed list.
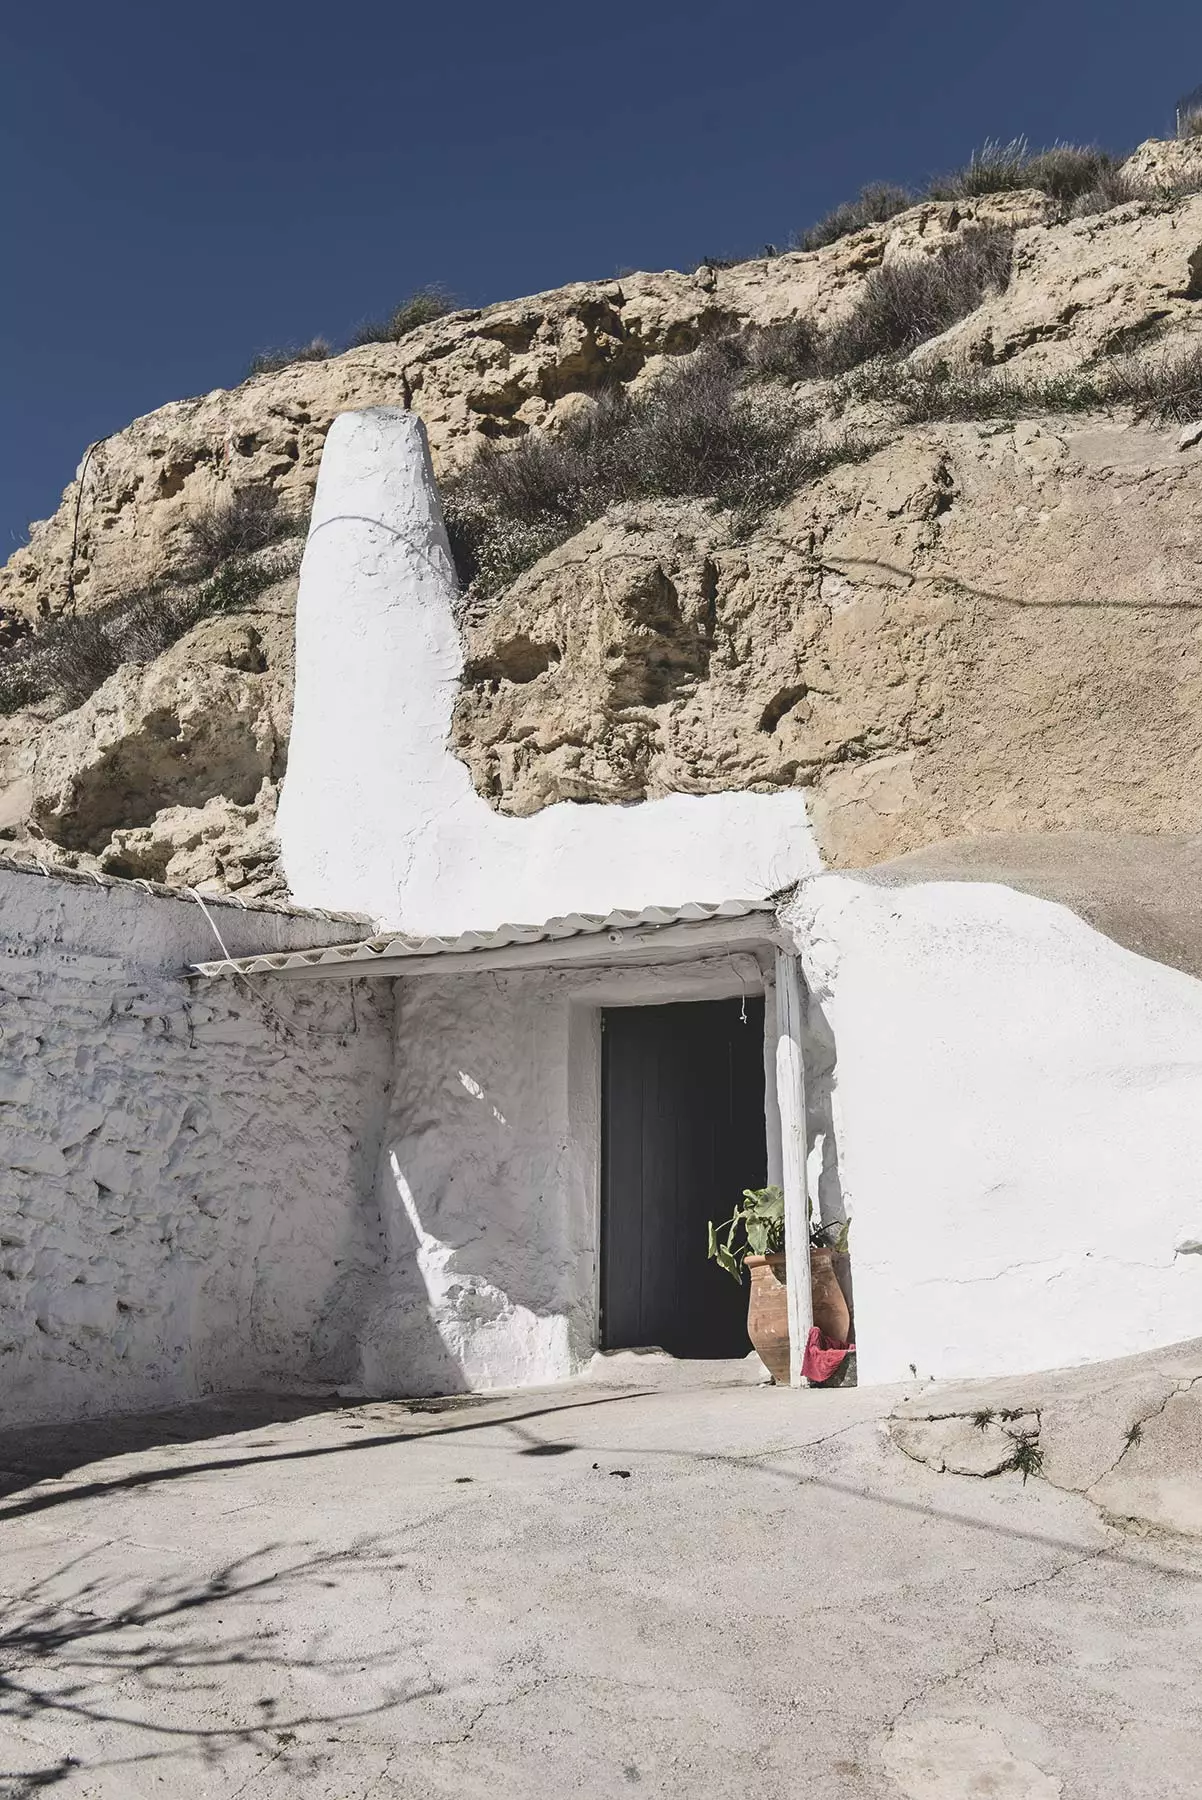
[(1015, 1122), (185, 1188), (490, 1175), (378, 814), (1008, 1104)]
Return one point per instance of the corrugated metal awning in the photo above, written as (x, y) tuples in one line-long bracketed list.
[(361, 958)]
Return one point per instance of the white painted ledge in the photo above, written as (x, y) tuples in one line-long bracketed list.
[(378, 815)]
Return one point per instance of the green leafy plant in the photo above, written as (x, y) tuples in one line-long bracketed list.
[(828, 1237), (757, 1228)]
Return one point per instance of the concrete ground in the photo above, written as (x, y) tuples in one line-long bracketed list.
[(700, 1591)]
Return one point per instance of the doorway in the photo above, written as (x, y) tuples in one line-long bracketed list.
[(682, 1134)]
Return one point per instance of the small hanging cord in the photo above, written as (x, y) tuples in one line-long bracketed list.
[(288, 1024), (87, 457), (742, 988)]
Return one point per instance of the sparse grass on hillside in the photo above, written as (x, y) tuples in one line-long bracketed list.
[(1189, 125), (422, 308), (247, 520), (1167, 388), (71, 655), (901, 305), (1065, 171), (719, 427), (701, 433), (876, 204), (1080, 178), (270, 362)]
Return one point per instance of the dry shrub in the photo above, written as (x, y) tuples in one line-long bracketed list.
[(1189, 123), (1077, 176), (995, 168), (785, 352), (877, 203), (236, 526), (718, 427), (1168, 388), (902, 305), (702, 432), (270, 362), (225, 570), (421, 308), (1065, 171)]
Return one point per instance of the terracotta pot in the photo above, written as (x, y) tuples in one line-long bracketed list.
[(768, 1315), (768, 1309), (832, 1315)]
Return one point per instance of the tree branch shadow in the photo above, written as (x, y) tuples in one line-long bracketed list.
[(80, 1651)]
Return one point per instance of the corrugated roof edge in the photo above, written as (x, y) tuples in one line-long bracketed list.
[(161, 890), (395, 945)]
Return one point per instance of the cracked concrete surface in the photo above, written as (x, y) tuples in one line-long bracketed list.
[(722, 1591), (1126, 1434)]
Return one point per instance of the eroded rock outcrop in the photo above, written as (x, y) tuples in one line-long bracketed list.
[(982, 627)]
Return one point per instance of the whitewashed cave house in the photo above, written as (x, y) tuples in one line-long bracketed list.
[(457, 1120), (610, 1019)]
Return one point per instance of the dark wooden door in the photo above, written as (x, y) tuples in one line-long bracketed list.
[(682, 1109)]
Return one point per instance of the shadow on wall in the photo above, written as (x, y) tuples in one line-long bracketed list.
[(404, 1348), (823, 1170), (488, 1260), (442, 1324)]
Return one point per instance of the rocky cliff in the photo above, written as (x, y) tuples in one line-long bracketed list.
[(985, 620)]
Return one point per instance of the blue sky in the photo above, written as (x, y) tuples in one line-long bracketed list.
[(184, 186)]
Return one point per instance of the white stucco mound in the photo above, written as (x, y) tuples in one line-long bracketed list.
[(1018, 1108), (378, 814), (185, 1183)]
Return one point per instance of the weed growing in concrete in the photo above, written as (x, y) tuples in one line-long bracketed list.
[(1027, 1458)]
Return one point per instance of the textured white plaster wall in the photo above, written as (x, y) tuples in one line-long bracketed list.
[(1017, 1103), (378, 814), (489, 1178), (186, 1189)]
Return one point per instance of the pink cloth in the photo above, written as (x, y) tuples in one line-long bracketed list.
[(822, 1357)]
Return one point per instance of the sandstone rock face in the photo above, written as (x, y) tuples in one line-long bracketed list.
[(1098, 286), (473, 378), (203, 720), (980, 628)]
